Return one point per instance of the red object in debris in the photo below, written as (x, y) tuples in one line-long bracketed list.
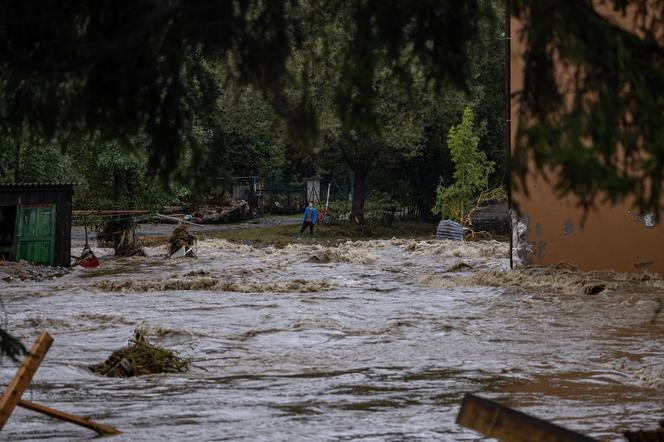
[(325, 216), (87, 259), (90, 262)]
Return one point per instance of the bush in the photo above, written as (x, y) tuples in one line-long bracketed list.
[(471, 172)]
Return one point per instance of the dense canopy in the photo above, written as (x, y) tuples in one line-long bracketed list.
[(144, 66), (153, 74)]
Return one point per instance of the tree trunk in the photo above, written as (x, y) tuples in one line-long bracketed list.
[(359, 188), (17, 159)]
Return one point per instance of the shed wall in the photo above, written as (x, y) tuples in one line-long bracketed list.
[(611, 237), (60, 195)]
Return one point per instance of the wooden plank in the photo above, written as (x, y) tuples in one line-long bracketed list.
[(645, 436), (21, 381), (101, 429), (505, 424)]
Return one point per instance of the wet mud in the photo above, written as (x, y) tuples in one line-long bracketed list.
[(373, 340)]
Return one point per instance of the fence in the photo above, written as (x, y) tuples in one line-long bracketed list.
[(289, 198), (280, 201), (409, 211)]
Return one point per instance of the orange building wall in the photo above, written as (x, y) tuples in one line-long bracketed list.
[(612, 237)]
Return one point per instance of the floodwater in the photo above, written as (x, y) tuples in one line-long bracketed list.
[(372, 341)]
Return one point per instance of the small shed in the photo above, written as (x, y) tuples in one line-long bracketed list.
[(35, 222)]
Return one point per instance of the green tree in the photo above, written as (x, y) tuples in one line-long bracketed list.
[(34, 161), (130, 67), (471, 171)]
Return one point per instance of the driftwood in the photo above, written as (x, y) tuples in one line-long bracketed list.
[(101, 429), (505, 424), (128, 247), (21, 381), (215, 209), (118, 233), (231, 210), (12, 395), (180, 238)]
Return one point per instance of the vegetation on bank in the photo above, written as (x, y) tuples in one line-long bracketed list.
[(333, 234), (472, 169), (327, 99)]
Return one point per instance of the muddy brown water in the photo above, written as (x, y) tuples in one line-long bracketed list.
[(371, 341)]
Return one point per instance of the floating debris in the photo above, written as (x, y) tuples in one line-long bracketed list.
[(126, 247), (222, 210), (118, 233), (181, 239), (140, 358), (24, 271)]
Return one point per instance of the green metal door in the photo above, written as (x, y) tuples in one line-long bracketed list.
[(35, 234)]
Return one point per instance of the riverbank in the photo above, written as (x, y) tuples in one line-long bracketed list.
[(287, 231), (280, 236)]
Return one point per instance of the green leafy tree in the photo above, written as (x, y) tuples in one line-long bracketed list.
[(471, 171), (114, 175), (143, 67)]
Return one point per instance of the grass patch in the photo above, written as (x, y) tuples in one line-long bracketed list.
[(282, 235)]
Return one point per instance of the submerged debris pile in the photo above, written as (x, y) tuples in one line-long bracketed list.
[(180, 238), (127, 247), (118, 234), (223, 210), (140, 358), (217, 209), (24, 271)]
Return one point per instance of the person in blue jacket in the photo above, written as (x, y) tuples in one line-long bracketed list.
[(310, 219)]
